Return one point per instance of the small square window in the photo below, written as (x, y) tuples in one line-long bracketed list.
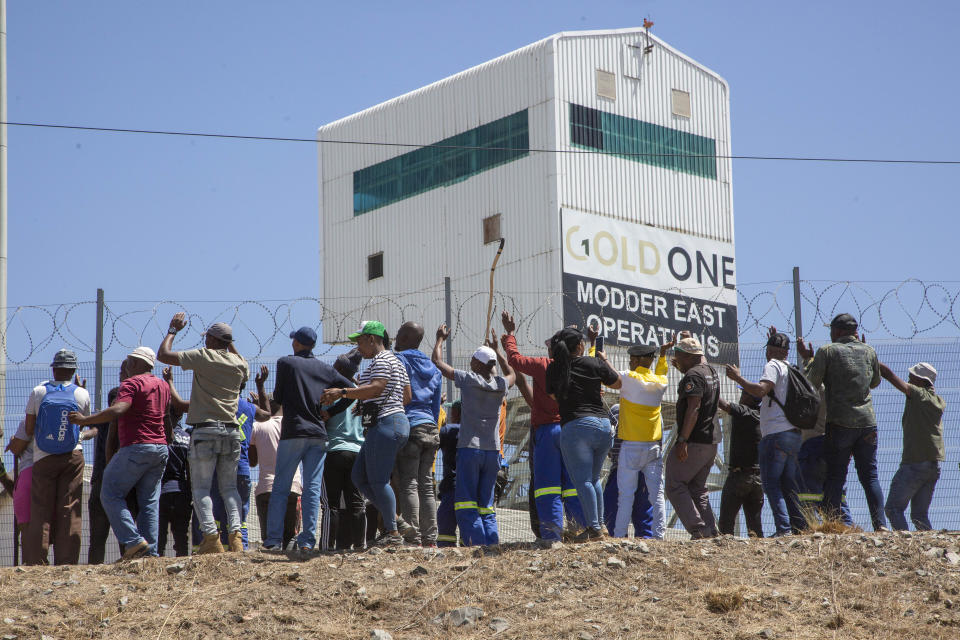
[(491, 229), (681, 103), (606, 84), (375, 266)]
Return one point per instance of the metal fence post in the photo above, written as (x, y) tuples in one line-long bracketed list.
[(98, 379), (448, 300), (797, 317)]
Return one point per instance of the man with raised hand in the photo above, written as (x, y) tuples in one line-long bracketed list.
[(143, 432), (780, 440), (219, 375), (414, 467), (57, 491), (640, 427), (848, 368), (923, 450), (553, 489)]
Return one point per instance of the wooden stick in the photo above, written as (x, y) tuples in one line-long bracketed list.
[(486, 333)]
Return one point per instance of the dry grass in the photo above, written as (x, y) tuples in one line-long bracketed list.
[(876, 587)]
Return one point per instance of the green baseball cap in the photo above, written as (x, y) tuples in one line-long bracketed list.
[(370, 327)]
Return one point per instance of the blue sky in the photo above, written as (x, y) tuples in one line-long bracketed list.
[(156, 218)]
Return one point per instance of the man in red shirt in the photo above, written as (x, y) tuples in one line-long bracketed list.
[(552, 488), (143, 431)]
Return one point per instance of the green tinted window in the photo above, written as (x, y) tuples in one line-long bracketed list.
[(427, 168), (643, 142)]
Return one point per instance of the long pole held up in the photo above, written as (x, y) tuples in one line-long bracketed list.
[(486, 334)]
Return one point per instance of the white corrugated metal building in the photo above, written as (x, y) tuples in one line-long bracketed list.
[(605, 164)]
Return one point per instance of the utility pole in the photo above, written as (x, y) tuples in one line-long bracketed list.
[(797, 317), (3, 213)]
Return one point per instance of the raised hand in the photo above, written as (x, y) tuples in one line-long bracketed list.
[(179, 321), (443, 332), (80, 383), (509, 325), (261, 377), (593, 331), (167, 374), (666, 346), (805, 349), (733, 372)]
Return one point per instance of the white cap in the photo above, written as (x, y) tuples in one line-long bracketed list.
[(485, 354), (146, 354), (924, 371)]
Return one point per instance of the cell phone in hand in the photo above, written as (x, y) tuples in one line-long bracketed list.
[(599, 344)]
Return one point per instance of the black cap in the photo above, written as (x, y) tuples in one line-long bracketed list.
[(642, 350), (844, 321), (349, 362), (779, 340)]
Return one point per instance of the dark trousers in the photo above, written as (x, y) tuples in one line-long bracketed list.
[(291, 518), (446, 520), (55, 509), (742, 489), (99, 526), (840, 445), (348, 523), (176, 508)]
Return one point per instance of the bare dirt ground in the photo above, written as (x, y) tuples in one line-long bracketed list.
[(855, 585)]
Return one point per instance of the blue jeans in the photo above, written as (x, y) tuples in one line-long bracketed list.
[(290, 453), (914, 484), (584, 443), (374, 466), (215, 450), (778, 473), (553, 490), (139, 467), (220, 512), (476, 478), (861, 443), (813, 475)]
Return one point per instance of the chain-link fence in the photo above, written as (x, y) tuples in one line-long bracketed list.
[(943, 353)]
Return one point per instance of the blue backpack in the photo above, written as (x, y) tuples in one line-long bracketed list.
[(54, 431)]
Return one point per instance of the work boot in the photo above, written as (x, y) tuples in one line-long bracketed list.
[(210, 544), (136, 550), (235, 541)]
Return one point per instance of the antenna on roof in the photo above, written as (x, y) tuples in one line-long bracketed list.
[(647, 23)]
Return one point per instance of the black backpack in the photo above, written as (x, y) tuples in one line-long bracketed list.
[(802, 408)]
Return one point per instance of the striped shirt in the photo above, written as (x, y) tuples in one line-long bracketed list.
[(640, 397), (387, 366)]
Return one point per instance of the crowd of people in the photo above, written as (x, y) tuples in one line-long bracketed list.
[(347, 453)]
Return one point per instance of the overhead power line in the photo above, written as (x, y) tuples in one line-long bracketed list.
[(227, 136)]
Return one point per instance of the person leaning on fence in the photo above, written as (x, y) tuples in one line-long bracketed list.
[(344, 441), (642, 512), (688, 464), (780, 441), (848, 368), (743, 487), (414, 467), (263, 453), (21, 446), (176, 501), (640, 427), (576, 381), (384, 389), (553, 490), (219, 374), (301, 386), (446, 514), (478, 444), (143, 432), (57, 483), (923, 449), (813, 469)]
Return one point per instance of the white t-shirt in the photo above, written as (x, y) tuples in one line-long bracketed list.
[(265, 437), (82, 399), (26, 458), (772, 419)]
